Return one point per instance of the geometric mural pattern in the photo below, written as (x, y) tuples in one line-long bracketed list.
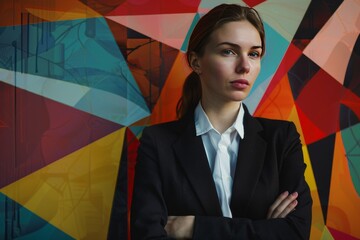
[(79, 80)]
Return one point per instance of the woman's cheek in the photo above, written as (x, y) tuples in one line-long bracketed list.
[(219, 69)]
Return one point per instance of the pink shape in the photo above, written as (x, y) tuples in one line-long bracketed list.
[(170, 29), (332, 47)]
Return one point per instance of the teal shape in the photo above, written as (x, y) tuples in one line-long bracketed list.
[(82, 52), (137, 130), (17, 222), (111, 107), (351, 141), (276, 47)]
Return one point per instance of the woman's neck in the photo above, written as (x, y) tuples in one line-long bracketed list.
[(221, 116)]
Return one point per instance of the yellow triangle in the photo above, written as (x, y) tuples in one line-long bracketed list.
[(60, 10), (75, 193), (326, 235), (282, 16), (318, 223)]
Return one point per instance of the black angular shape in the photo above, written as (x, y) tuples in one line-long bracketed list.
[(347, 117), (301, 73), (317, 14), (321, 156), (352, 76), (119, 214)]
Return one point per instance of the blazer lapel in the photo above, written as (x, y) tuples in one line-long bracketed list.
[(249, 165), (190, 151)]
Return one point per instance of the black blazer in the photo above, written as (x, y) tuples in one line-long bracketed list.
[(173, 177)]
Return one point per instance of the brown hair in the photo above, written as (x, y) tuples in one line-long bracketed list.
[(215, 18)]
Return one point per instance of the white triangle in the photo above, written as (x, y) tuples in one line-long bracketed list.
[(170, 29)]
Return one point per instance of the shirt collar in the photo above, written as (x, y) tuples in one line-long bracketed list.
[(203, 124)]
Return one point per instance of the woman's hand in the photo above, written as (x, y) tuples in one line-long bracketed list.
[(180, 227), (283, 205)]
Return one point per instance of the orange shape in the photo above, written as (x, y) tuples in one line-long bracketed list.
[(344, 203), (33, 11), (277, 104), (165, 109)]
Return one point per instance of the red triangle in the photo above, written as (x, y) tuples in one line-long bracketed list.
[(253, 3), (41, 131), (320, 101), (310, 131), (132, 147), (155, 7), (2, 124), (291, 56), (340, 235)]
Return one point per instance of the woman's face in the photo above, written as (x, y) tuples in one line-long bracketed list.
[(230, 63)]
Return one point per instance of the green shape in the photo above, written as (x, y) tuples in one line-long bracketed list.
[(351, 140)]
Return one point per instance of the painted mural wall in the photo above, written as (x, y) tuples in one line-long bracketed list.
[(79, 80)]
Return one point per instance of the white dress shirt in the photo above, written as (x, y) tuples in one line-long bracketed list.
[(221, 151)]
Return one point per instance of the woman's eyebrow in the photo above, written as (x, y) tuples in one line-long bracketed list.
[(234, 45)]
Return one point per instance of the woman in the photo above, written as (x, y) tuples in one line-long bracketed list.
[(217, 172)]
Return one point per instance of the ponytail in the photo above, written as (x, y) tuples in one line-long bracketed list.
[(191, 95)]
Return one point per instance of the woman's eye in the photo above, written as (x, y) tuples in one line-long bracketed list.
[(254, 54), (228, 52)]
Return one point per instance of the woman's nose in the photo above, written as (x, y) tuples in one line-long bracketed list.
[(243, 65)]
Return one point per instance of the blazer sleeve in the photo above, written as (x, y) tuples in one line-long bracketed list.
[(296, 225), (148, 209)]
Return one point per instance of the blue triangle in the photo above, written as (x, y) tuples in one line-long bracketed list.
[(17, 222)]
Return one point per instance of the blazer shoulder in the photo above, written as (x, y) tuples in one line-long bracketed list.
[(274, 126), (273, 123), (164, 129)]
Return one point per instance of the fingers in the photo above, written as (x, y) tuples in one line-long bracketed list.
[(169, 227), (277, 203), (180, 227), (288, 209), (170, 224), (283, 205)]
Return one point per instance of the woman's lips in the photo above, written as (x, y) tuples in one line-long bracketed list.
[(240, 84)]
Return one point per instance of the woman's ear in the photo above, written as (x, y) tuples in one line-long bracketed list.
[(194, 61)]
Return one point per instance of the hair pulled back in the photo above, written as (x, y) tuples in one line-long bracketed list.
[(215, 18)]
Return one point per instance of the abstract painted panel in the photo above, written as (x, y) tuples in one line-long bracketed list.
[(79, 80)]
